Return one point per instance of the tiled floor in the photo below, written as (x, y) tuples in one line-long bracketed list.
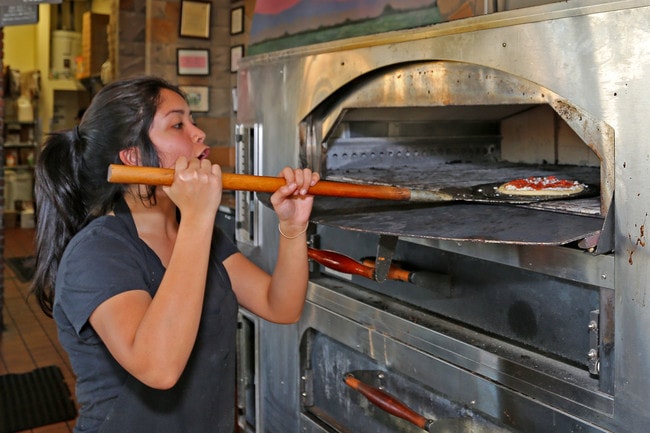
[(29, 339)]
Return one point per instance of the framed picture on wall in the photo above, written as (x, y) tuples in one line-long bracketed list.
[(234, 99), (195, 19), (236, 53), (16, 13), (198, 97), (193, 61), (237, 21)]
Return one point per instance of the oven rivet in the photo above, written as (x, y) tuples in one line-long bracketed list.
[(380, 375), (593, 354), (603, 276), (593, 326), (504, 45), (304, 394)]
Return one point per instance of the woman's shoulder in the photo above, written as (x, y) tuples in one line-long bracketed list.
[(102, 234), (105, 250)]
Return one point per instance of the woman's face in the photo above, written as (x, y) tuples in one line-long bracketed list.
[(173, 131)]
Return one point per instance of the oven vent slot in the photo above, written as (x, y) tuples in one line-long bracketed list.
[(353, 153)]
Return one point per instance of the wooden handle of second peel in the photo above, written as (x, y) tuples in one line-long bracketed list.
[(341, 263), (386, 402), (244, 182)]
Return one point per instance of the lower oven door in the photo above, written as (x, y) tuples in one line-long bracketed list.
[(419, 361)]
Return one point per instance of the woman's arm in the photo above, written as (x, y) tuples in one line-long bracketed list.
[(280, 297), (153, 338)]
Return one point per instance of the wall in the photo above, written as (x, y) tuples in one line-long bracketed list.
[(143, 40), (149, 45)]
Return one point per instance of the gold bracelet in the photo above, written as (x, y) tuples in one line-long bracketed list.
[(292, 237)]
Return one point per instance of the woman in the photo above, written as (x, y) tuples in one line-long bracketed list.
[(144, 289)]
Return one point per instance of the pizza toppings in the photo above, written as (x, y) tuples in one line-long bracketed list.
[(541, 185)]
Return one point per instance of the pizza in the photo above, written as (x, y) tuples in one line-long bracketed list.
[(541, 186)]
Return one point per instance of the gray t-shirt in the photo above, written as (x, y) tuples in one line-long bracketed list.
[(107, 258)]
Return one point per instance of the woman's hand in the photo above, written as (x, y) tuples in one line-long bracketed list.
[(280, 297), (197, 187), (291, 202)]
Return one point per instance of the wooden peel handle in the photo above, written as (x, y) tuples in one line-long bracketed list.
[(340, 262), (386, 402), (244, 182)]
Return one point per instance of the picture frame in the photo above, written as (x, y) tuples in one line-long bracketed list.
[(191, 61), (235, 99), (236, 53), (195, 19), (198, 98), (18, 14), (237, 20)]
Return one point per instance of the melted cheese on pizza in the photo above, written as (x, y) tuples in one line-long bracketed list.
[(541, 186)]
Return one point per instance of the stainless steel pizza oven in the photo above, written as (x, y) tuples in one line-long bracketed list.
[(521, 317)]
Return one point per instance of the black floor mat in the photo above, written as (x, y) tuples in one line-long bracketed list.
[(34, 399), (23, 267)]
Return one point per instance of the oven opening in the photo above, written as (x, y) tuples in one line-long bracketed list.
[(439, 125)]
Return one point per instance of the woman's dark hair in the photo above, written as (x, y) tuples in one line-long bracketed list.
[(71, 187)]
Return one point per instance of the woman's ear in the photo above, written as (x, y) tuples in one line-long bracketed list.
[(130, 156)]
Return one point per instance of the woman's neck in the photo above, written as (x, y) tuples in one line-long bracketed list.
[(156, 223)]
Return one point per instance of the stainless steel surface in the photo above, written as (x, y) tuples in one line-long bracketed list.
[(468, 222), (437, 354), (563, 263), (517, 348)]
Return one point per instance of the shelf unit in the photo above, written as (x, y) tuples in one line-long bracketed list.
[(21, 137), (20, 144)]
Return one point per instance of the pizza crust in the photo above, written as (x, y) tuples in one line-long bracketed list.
[(547, 186)]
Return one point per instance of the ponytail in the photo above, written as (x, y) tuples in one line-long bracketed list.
[(59, 209)]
